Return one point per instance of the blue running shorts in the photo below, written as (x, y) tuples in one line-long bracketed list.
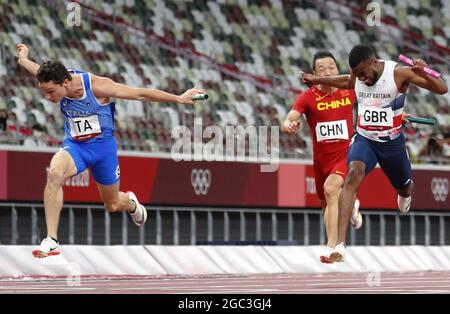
[(99, 156)]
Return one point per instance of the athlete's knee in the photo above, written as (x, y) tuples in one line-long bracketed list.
[(331, 191), (113, 207), (55, 176), (355, 175)]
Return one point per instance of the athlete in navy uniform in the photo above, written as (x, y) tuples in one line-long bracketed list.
[(380, 87), (85, 101)]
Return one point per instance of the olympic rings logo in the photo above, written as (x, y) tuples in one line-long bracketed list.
[(439, 188), (201, 181)]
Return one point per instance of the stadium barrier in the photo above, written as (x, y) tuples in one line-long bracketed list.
[(82, 261), (159, 180), (24, 224)]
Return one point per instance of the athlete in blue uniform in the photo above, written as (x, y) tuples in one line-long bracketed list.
[(85, 101)]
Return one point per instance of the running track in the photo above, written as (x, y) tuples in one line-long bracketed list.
[(328, 283)]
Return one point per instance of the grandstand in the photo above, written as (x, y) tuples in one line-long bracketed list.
[(246, 53)]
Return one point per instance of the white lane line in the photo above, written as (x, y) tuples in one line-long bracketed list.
[(193, 290), (246, 288), (265, 281), (373, 291), (52, 289), (232, 291), (361, 281), (309, 277), (214, 284)]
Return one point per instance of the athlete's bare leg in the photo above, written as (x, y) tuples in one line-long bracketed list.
[(356, 174), (114, 200), (332, 188), (404, 197), (407, 190), (62, 167)]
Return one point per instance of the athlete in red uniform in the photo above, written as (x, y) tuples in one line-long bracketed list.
[(329, 112)]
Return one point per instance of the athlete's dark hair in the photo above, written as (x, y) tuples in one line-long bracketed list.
[(53, 71), (359, 54), (320, 55)]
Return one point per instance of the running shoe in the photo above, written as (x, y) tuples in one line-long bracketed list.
[(325, 257), (48, 247), (338, 254), (356, 219), (404, 203), (139, 215)]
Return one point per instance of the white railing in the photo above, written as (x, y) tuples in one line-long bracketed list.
[(24, 223)]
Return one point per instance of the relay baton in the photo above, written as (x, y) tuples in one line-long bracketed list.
[(429, 121), (427, 70), (200, 97)]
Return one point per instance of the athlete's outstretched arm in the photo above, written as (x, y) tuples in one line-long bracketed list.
[(292, 122), (417, 76), (345, 81), (27, 64), (105, 87)]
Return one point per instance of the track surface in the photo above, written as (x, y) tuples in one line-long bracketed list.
[(328, 283)]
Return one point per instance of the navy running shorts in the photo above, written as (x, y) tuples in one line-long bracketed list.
[(392, 157)]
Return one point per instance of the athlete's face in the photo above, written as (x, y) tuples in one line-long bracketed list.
[(53, 92), (325, 67), (366, 72)]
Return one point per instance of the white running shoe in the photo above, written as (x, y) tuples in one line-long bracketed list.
[(338, 254), (404, 203), (325, 257), (356, 219), (48, 247), (139, 216)]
